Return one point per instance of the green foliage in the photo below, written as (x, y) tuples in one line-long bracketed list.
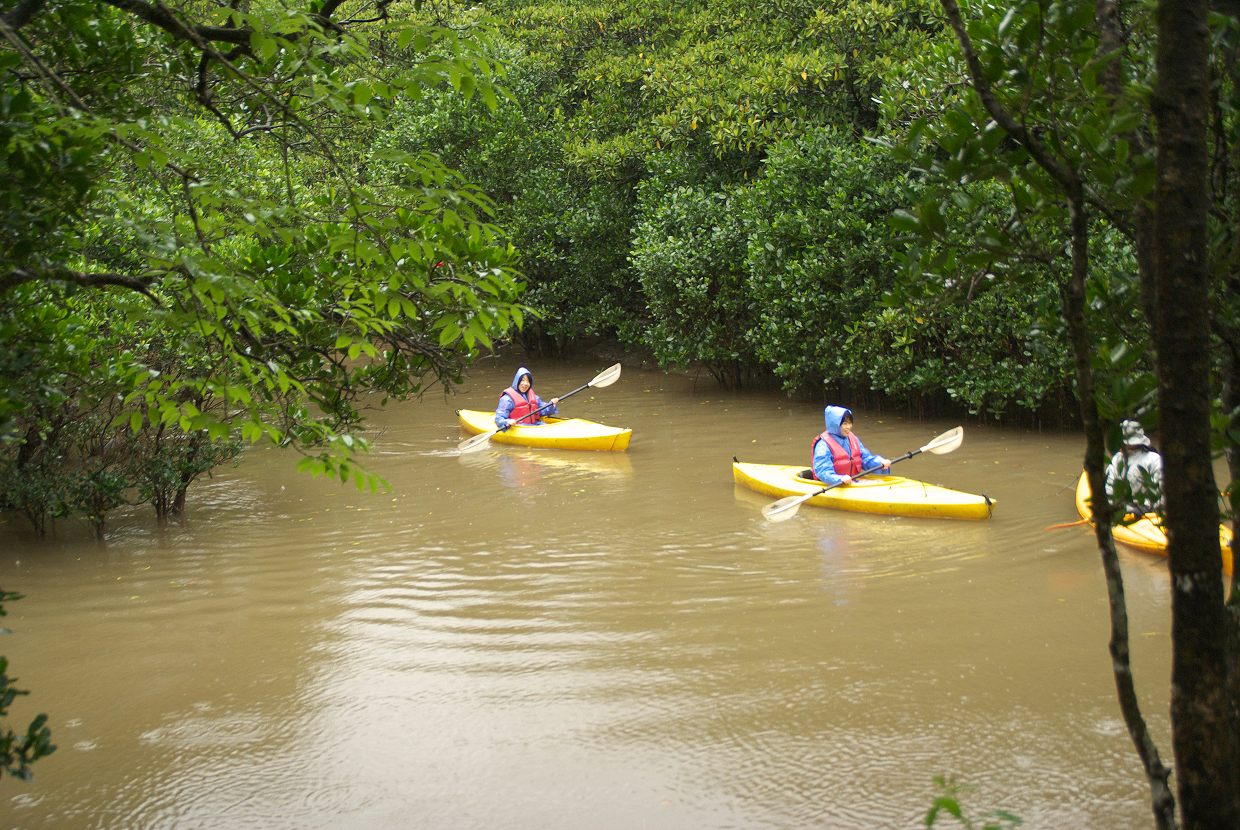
[(210, 229), (988, 214), (736, 218), (19, 750), (570, 227), (947, 803), (689, 254), (616, 110), (81, 449), (797, 270), (819, 258)]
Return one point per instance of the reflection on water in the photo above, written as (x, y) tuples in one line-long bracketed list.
[(520, 638), (527, 471)]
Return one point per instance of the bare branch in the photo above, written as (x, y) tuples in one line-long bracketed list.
[(160, 16), (98, 279)]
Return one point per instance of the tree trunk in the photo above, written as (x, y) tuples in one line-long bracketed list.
[(1202, 716), (1162, 800)]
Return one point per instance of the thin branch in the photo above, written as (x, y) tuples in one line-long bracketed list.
[(160, 16), (193, 215), (1067, 178), (97, 279)]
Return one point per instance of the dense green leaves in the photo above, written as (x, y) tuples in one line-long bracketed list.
[(1045, 62), (689, 255), (212, 234), (699, 179)]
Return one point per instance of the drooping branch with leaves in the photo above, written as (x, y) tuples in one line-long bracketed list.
[(223, 185)]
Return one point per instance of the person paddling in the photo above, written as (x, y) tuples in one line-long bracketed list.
[(519, 400), (1134, 476), (837, 454)]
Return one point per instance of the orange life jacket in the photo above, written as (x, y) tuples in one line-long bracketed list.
[(847, 462)]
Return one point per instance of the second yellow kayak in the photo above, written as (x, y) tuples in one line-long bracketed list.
[(888, 495)]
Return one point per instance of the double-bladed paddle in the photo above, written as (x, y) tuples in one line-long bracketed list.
[(787, 507), (604, 378)]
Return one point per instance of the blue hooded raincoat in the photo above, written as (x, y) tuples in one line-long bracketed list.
[(504, 411), (824, 463)]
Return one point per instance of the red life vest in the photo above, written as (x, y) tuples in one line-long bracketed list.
[(523, 405), (847, 463)]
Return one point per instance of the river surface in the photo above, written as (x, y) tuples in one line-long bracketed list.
[(548, 639)]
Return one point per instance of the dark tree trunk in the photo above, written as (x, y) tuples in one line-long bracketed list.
[(178, 503), (1162, 800), (1202, 715)]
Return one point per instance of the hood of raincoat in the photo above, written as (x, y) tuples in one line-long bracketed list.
[(834, 416), (516, 379), (1134, 436)]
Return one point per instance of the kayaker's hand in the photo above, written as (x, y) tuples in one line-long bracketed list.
[(555, 401), (845, 479), (511, 422), (885, 463)]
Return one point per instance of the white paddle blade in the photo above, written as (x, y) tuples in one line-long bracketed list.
[(785, 508), (475, 442), (606, 377), (947, 442)]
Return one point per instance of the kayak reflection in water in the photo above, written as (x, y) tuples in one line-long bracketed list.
[(837, 453), (519, 400), (521, 474)]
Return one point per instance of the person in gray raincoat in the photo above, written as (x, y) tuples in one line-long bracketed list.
[(1134, 476)]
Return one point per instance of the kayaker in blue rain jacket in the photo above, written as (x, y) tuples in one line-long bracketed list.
[(838, 455), (519, 400)]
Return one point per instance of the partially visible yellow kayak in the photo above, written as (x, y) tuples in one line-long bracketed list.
[(553, 433), (1146, 533), (888, 495)]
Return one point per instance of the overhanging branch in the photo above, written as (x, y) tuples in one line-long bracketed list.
[(85, 279), (160, 16)]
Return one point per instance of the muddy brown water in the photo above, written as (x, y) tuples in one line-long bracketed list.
[(543, 639)]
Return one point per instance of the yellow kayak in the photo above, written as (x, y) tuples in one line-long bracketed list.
[(888, 495), (1146, 533), (553, 433)]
